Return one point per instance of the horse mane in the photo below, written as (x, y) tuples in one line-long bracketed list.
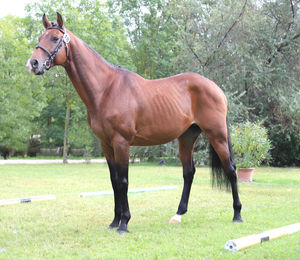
[(118, 67)]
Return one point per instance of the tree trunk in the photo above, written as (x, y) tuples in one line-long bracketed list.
[(67, 121)]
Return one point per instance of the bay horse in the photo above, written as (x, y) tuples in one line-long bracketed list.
[(124, 109)]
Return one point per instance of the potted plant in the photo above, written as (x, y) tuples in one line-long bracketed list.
[(251, 146)]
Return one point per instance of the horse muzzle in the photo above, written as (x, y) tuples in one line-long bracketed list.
[(37, 67)]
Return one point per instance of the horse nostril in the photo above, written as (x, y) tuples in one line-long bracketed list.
[(34, 63)]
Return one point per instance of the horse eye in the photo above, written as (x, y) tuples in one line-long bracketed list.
[(54, 39)]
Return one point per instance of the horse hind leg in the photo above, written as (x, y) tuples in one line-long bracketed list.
[(186, 145), (223, 167)]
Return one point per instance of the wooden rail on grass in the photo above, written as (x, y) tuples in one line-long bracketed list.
[(244, 242)]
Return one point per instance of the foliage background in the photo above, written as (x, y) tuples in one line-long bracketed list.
[(250, 48)]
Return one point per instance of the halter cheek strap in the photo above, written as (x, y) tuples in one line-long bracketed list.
[(65, 39)]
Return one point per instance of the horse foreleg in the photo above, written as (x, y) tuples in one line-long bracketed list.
[(109, 155), (186, 146), (121, 155), (118, 210)]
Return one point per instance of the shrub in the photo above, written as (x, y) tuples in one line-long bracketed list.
[(250, 144)]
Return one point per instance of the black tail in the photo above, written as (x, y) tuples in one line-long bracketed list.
[(219, 176)]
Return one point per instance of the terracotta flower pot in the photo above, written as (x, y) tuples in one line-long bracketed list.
[(245, 174)]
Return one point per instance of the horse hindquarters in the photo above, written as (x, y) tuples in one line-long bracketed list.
[(209, 106)]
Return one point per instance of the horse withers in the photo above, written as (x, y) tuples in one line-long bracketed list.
[(124, 109)]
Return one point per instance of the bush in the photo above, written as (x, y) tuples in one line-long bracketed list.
[(250, 144), (286, 145)]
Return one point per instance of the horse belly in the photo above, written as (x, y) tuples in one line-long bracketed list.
[(153, 135), (165, 122)]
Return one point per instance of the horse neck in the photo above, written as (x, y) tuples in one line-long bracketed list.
[(89, 72)]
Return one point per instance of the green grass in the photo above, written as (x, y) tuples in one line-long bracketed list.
[(76, 228)]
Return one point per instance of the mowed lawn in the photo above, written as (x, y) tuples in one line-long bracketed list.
[(77, 228)]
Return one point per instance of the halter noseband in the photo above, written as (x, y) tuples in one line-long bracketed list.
[(65, 39)]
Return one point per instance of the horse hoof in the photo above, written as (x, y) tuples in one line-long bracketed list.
[(122, 231), (110, 227), (175, 219), (239, 220)]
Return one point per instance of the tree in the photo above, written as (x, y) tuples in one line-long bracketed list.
[(152, 35), (21, 98)]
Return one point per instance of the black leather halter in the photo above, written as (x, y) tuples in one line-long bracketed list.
[(65, 39)]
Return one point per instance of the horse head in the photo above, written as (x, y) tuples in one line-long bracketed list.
[(49, 51)]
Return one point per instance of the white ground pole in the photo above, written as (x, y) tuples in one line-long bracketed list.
[(103, 193), (26, 199), (245, 242)]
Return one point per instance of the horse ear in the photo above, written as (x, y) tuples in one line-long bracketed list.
[(60, 21), (46, 22)]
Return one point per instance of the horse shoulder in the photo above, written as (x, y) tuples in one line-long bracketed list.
[(118, 108)]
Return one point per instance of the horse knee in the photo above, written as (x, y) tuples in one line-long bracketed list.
[(126, 216), (122, 183)]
